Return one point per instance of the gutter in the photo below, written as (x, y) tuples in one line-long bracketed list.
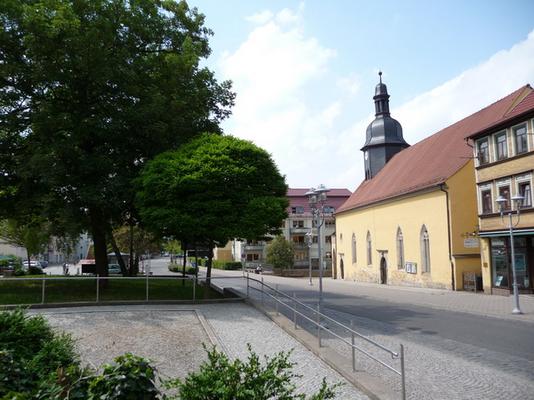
[(443, 187)]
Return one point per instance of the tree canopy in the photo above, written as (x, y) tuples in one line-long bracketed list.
[(92, 89), (211, 190), (280, 253)]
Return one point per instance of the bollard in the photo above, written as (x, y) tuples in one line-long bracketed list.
[(295, 310), (97, 288), (43, 291), (276, 299), (403, 373), (262, 295), (319, 324), (353, 349), (194, 288)]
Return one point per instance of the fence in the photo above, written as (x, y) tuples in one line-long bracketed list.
[(292, 306), (96, 289)]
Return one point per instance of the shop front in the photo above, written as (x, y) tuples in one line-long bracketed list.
[(501, 263)]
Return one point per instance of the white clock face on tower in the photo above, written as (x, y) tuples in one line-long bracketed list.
[(366, 155)]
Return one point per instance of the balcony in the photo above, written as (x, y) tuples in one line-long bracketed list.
[(299, 231), (254, 247), (301, 263), (299, 246)]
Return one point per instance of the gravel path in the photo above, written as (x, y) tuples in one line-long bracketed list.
[(171, 336)]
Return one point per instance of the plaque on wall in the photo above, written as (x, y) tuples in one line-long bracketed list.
[(471, 243)]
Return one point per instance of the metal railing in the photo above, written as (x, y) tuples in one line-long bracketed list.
[(292, 306)]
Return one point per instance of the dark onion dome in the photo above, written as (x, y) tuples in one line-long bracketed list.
[(384, 129)]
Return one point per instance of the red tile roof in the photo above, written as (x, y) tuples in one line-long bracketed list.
[(291, 192), (433, 160)]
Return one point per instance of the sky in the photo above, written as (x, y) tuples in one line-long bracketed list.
[(304, 72)]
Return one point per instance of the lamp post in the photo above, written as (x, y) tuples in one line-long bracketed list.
[(517, 200), (317, 198), (309, 242)]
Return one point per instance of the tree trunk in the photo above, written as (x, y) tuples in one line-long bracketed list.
[(98, 231), (131, 245), (118, 254), (208, 264)]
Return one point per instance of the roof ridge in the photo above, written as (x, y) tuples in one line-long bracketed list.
[(527, 89)]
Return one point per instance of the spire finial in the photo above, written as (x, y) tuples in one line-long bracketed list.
[(380, 75)]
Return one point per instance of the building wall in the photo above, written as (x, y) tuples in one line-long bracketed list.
[(464, 220), (382, 220)]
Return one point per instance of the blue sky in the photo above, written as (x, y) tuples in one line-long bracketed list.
[(304, 72)]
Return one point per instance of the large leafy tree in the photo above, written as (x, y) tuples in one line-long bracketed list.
[(92, 89), (211, 190), (280, 253)]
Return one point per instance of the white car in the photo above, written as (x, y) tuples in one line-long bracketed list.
[(33, 264)]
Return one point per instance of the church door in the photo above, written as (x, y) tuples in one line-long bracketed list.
[(342, 273), (383, 271)]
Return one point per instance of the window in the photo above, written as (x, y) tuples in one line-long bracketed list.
[(504, 191), (501, 148), (483, 151), (520, 138), (329, 209), (400, 249), (297, 210), (314, 239), (487, 203), (369, 249), (425, 250), (525, 190), (353, 248), (297, 223), (328, 239)]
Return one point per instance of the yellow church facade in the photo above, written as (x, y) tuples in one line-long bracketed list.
[(414, 220)]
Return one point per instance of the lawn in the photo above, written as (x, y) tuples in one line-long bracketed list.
[(67, 290)]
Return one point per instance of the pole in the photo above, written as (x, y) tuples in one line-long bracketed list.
[(319, 223), (403, 373), (319, 325), (353, 349), (295, 310), (310, 238), (146, 273), (97, 288), (516, 309), (194, 288), (42, 289), (262, 296)]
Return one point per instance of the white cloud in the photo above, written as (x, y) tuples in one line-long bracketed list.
[(276, 69)]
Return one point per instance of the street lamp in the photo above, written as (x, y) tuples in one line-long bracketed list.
[(317, 198), (309, 241), (517, 200)]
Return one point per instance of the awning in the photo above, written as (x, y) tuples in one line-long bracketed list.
[(506, 232)]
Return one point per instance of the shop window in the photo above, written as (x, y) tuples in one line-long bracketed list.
[(482, 151), (487, 201), (525, 190), (499, 262), (504, 191), (520, 138), (425, 250), (501, 147), (369, 249), (400, 249), (353, 248)]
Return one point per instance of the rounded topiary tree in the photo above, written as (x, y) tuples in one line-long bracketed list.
[(280, 253)]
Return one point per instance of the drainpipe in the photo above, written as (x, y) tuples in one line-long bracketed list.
[(443, 188)]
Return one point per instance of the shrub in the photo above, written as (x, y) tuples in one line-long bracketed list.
[(220, 378), (226, 265), (35, 271)]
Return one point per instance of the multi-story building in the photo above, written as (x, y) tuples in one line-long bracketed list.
[(300, 223), (504, 165)]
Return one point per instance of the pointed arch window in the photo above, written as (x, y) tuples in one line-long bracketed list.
[(400, 249), (425, 250), (369, 249), (353, 243)]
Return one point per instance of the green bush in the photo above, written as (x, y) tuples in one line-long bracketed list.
[(220, 378), (226, 265)]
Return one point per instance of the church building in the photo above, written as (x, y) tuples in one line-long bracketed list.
[(413, 220)]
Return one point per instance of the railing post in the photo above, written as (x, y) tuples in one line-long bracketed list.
[(295, 310), (403, 372), (248, 287), (97, 288), (262, 295), (147, 286), (194, 288), (353, 349), (43, 291), (319, 324), (276, 299)]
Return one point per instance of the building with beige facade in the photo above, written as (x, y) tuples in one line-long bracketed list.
[(504, 165)]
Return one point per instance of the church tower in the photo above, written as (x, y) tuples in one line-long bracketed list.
[(384, 135)]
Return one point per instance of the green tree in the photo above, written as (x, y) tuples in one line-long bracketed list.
[(136, 241), (211, 190), (92, 89), (32, 235), (280, 253)]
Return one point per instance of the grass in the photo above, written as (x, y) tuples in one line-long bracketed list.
[(70, 290)]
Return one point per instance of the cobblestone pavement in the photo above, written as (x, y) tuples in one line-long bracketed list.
[(172, 336)]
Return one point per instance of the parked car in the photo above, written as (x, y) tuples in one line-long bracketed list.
[(35, 265), (43, 263), (114, 269)]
